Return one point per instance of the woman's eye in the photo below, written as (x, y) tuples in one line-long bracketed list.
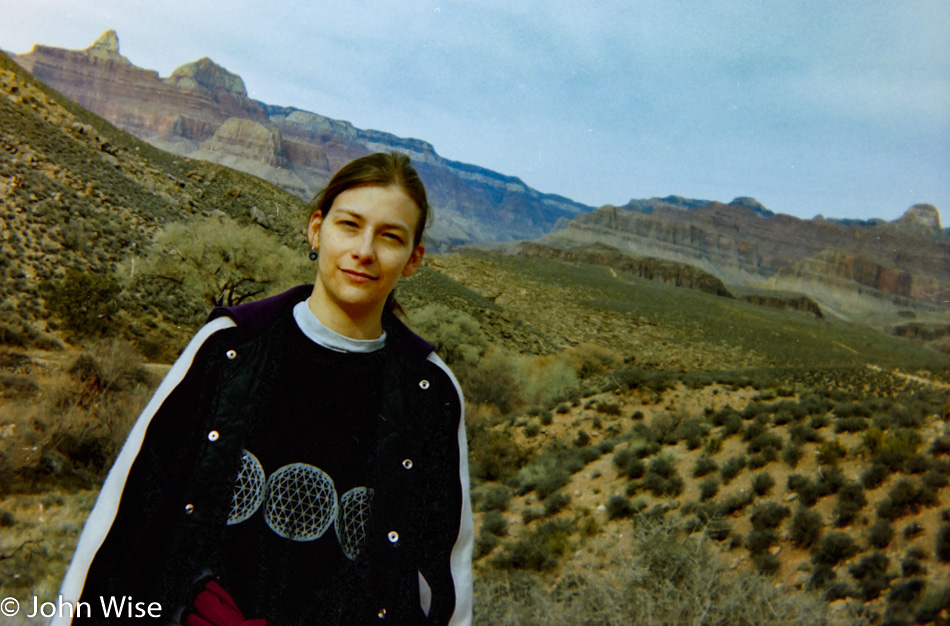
[(394, 237)]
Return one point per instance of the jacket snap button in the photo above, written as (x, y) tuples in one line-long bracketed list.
[(213, 435), (231, 354), (189, 509), (393, 536), (407, 463), (381, 614), (424, 384)]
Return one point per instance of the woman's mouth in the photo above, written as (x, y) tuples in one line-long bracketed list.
[(359, 277)]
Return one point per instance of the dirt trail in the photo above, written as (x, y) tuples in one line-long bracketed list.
[(919, 379)]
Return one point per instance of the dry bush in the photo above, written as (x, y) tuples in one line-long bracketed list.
[(588, 359), (69, 435), (670, 578)]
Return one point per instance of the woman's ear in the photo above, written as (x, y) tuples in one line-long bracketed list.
[(313, 230), (415, 260)]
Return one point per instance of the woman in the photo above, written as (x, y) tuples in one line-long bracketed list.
[(304, 461)]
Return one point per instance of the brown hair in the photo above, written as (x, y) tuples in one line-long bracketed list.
[(377, 169), (380, 169)]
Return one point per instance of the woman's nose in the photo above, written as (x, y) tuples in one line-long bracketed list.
[(365, 250)]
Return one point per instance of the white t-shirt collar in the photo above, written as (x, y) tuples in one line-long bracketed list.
[(321, 335)]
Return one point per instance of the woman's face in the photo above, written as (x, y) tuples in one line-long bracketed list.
[(365, 243)]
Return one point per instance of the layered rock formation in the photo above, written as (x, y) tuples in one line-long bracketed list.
[(667, 272), (743, 243), (203, 111)]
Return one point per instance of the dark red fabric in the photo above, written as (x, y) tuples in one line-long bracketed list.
[(214, 606)]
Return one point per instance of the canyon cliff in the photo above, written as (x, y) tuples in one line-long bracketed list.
[(905, 262), (203, 111)]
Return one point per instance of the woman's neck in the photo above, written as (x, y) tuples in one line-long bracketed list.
[(355, 326)]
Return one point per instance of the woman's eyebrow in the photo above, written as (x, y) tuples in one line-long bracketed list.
[(353, 212)]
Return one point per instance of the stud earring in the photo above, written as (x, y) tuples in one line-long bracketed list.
[(313, 254)]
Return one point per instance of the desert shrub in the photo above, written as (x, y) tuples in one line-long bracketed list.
[(765, 441), (544, 475), (628, 464), (792, 454), (708, 488), (637, 416), (729, 418), (537, 548), (582, 439), (880, 534), (531, 514), (766, 563), (942, 549), (671, 578), (912, 530), (589, 454), (899, 607), (834, 548), (731, 468), (619, 507), (769, 516), (556, 503), (762, 483), (909, 416), (759, 540), (918, 464), (492, 497), (456, 335), (932, 604), (806, 528), (735, 502), (819, 421), (484, 544), (802, 433), (912, 565), (830, 481), (830, 452), (871, 572), (821, 575), (495, 523), (546, 418), (588, 359), (704, 465), (718, 529), (935, 480), (608, 408), (760, 460), (494, 455), (895, 448), (851, 499), (532, 428), (6, 519), (692, 431), (713, 445), (783, 417), (851, 425), (661, 477), (940, 446), (756, 428), (86, 302), (904, 498), (563, 408), (874, 476)]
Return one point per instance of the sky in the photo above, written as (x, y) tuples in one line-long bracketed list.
[(839, 108)]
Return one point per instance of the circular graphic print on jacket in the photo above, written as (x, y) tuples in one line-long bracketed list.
[(248, 491), (301, 502), (355, 506)]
